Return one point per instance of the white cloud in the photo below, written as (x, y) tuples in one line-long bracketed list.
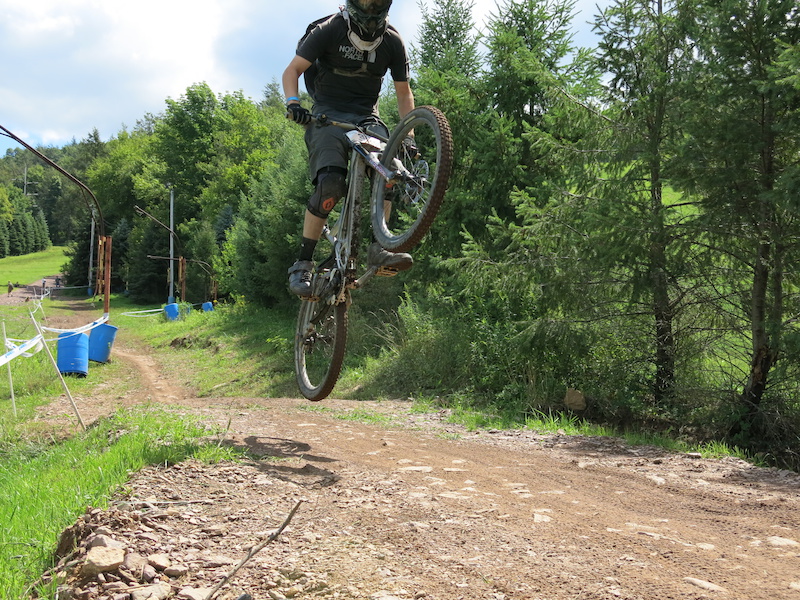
[(68, 66)]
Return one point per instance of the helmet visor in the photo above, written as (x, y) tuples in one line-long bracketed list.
[(370, 16)]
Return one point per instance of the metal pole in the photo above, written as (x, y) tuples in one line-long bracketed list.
[(10, 379), (171, 245), (91, 258), (107, 276)]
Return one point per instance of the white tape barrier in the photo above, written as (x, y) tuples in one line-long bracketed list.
[(32, 346), (28, 348), (83, 329), (143, 313)]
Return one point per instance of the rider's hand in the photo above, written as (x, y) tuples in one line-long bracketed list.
[(298, 114), (410, 146)]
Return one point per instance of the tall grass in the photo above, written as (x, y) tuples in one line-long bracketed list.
[(438, 360)]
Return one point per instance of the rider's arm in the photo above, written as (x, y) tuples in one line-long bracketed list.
[(291, 77), (405, 97)]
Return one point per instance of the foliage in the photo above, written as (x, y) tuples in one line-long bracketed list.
[(621, 219), (24, 228), (740, 160), (263, 239)]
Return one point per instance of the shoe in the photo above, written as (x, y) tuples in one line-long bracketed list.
[(388, 263), (300, 278)]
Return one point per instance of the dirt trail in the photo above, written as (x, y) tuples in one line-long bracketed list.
[(424, 509)]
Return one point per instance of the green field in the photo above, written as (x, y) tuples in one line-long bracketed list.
[(30, 268)]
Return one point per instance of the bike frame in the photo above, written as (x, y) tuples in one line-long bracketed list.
[(337, 275), (399, 186)]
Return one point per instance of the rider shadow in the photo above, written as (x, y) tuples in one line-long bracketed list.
[(307, 475)]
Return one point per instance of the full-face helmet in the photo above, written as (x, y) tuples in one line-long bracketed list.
[(368, 18)]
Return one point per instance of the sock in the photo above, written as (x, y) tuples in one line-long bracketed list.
[(307, 249)]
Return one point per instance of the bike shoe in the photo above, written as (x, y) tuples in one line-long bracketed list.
[(388, 263), (300, 278)]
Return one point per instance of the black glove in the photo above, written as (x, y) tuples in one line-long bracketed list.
[(298, 114)]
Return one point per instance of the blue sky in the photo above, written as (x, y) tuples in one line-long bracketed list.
[(69, 66)]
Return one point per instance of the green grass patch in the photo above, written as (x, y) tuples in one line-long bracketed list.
[(43, 488), (31, 268), (234, 350)]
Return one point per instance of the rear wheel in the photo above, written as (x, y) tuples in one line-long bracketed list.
[(403, 212), (319, 346)]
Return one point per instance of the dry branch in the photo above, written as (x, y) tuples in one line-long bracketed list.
[(255, 550)]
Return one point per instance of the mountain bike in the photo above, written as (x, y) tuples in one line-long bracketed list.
[(405, 177)]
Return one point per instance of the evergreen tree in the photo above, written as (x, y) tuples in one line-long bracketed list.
[(643, 50), (200, 253), (119, 253), (223, 223), (263, 239), (448, 67), (4, 243), (148, 278), (740, 157)]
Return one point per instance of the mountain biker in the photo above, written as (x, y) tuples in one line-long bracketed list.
[(343, 59)]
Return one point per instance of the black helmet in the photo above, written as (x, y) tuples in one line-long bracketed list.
[(368, 18)]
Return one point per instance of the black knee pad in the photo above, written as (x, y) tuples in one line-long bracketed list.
[(331, 186)]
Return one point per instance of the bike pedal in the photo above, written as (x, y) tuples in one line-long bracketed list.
[(386, 272)]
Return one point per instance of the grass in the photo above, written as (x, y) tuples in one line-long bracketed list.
[(43, 488), (30, 268)]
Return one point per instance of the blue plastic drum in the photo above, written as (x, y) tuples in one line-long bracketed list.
[(101, 339), (73, 354), (172, 311)]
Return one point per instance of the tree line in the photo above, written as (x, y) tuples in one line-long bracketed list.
[(622, 219), (23, 226)]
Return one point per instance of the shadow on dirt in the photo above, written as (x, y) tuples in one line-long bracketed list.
[(278, 449)]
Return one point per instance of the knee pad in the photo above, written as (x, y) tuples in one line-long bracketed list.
[(331, 186)]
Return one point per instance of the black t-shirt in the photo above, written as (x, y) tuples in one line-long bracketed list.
[(346, 78)]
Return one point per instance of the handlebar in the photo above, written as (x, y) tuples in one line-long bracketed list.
[(324, 121)]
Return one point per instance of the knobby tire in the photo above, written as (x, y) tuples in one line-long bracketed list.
[(414, 205), (319, 347)]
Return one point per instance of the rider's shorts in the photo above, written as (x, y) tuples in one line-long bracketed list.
[(327, 146)]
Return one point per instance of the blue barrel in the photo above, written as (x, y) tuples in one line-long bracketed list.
[(208, 306), (100, 341), (172, 311), (73, 354)]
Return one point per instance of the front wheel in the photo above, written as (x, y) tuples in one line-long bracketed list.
[(402, 212), (319, 346)]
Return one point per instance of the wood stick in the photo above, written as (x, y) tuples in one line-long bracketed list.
[(60, 376), (255, 550)]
